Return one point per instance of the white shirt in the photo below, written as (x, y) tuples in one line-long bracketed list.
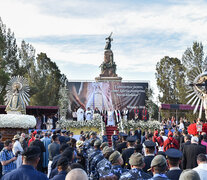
[(80, 114), (17, 147), (201, 169)]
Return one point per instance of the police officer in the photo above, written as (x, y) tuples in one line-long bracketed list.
[(129, 151), (104, 166), (149, 154), (159, 167), (31, 157), (173, 158), (136, 162), (116, 161), (123, 145)]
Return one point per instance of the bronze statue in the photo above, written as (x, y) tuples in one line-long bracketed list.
[(108, 42)]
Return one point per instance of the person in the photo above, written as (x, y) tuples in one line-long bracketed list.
[(80, 114), (26, 171), (144, 114), (190, 153), (201, 169), (39, 122), (123, 145), (46, 141), (114, 139), (40, 144), (189, 174), (17, 149), (117, 115), (104, 166), (187, 141), (149, 154), (170, 142), (159, 167), (74, 114), (204, 141), (7, 158), (138, 133), (88, 114), (174, 159), (110, 119), (117, 162), (62, 167), (23, 140), (129, 151), (104, 137), (44, 121), (49, 123), (53, 149), (1, 147), (136, 162), (125, 114), (76, 174)]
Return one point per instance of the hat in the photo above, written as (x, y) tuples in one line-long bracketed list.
[(114, 156), (97, 142), (158, 160), (173, 153), (124, 135), (131, 139), (104, 144), (92, 133), (79, 143), (189, 174), (16, 137), (58, 130), (170, 134), (107, 150), (149, 144), (136, 159)]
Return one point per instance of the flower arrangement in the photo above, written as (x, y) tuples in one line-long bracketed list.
[(96, 122), (17, 121), (143, 125)]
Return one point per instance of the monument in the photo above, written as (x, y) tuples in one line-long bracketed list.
[(108, 67), (16, 120)]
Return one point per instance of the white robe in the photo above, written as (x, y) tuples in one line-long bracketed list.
[(49, 124), (17, 147), (89, 115), (111, 121), (125, 112), (80, 114)]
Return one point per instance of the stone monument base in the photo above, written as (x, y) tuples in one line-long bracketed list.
[(106, 79), (8, 133)]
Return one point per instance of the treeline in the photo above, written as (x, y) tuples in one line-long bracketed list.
[(174, 75), (44, 76)]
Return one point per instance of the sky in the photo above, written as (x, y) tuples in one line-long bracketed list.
[(72, 32)]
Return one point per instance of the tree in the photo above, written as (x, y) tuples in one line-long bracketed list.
[(47, 81), (170, 76)]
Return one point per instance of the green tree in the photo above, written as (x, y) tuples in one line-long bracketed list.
[(47, 82), (170, 76)]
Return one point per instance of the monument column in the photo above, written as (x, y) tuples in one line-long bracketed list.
[(108, 67)]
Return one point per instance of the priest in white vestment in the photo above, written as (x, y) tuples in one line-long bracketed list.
[(110, 121), (89, 114), (80, 114)]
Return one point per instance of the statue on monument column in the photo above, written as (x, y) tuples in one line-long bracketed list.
[(108, 67)]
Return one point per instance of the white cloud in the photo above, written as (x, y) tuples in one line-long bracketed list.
[(174, 27)]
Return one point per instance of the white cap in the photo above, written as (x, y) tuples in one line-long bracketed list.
[(194, 139)]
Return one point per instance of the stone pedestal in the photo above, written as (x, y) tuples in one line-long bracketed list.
[(8, 133)]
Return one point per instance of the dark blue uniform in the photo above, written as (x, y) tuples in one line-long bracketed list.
[(60, 176), (25, 172), (174, 174)]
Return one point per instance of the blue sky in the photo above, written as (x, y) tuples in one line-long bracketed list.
[(72, 33)]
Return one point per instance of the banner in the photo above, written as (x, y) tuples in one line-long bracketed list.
[(107, 95)]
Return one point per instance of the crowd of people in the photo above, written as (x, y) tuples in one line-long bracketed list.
[(169, 153), (110, 117), (47, 121)]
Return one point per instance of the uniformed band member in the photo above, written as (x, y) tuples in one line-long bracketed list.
[(104, 166), (174, 159), (116, 161), (136, 162), (129, 151), (31, 157), (158, 168), (149, 154)]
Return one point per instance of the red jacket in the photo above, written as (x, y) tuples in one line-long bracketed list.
[(170, 142)]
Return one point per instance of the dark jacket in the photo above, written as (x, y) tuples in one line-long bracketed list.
[(190, 153), (60, 176)]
